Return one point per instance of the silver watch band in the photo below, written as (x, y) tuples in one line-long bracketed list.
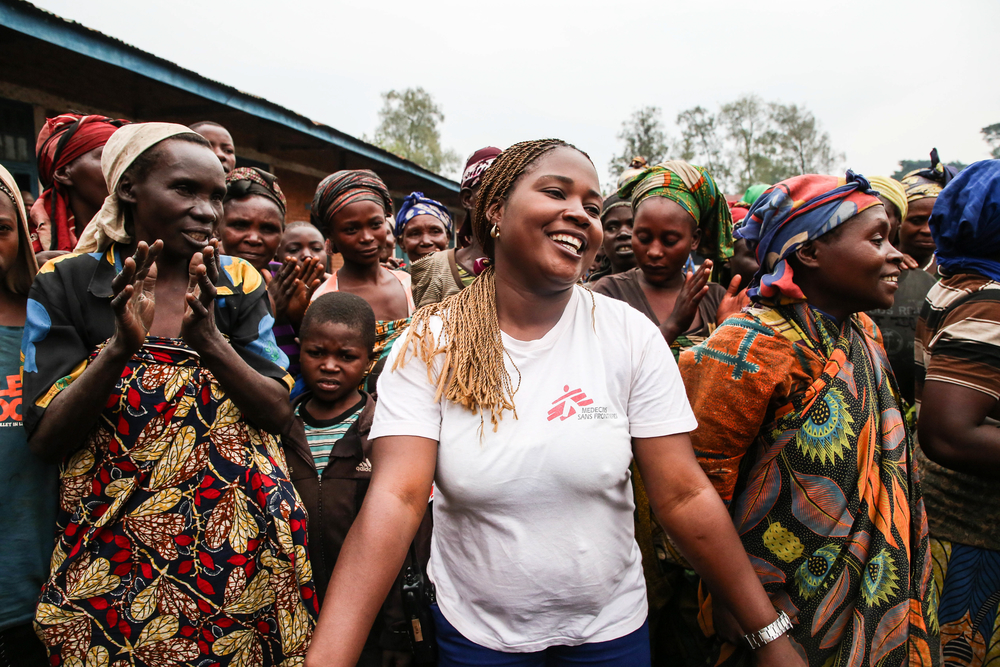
[(769, 633)]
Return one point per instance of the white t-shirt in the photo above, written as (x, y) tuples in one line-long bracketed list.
[(533, 542)]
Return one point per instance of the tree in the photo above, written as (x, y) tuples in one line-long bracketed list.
[(642, 134), (802, 148), (408, 127), (745, 122), (991, 135), (702, 142)]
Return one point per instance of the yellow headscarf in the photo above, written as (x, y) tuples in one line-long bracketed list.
[(892, 190), (122, 149)]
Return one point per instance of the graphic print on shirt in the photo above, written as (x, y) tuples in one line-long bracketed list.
[(10, 402), (563, 407)]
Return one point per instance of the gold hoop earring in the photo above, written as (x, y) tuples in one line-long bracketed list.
[(495, 232)]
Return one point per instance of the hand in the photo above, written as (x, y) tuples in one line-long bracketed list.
[(133, 302), (909, 262), (733, 302), (396, 659), (281, 286), (310, 277), (686, 306), (778, 653), (198, 326)]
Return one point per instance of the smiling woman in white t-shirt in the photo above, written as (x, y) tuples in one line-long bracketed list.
[(525, 398)]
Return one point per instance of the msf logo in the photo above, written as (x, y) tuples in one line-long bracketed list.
[(563, 407)]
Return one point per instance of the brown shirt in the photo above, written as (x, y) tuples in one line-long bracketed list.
[(958, 342)]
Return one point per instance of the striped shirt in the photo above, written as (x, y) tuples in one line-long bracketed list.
[(958, 342), (323, 434)]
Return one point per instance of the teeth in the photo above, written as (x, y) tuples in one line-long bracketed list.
[(198, 236), (568, 240), (623, 251), (891, 279)]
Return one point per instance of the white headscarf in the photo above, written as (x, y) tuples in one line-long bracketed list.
[(23, 272), (124, 146)]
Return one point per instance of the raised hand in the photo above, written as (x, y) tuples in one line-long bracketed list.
[(133, 302), (281, 286), (686, 306), (309, 278), (733, 302), (198, 326)]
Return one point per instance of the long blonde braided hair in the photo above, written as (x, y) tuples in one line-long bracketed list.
[(473, 374)]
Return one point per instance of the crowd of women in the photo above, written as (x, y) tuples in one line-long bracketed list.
[(657, 428)]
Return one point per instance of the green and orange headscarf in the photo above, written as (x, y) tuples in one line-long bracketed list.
[(694, 189)]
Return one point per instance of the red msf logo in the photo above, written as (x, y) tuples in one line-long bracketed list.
[(563, 406)]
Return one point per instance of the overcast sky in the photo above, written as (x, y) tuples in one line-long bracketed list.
[(887, 80)]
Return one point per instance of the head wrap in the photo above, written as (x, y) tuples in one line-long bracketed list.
[(753, 193), (245, 181), (965, 223), (122, 149), (611, 203), (789, 215), (417, 204), (694, 189), (63, 139), (20, 275), (343, 188), (924, 183), (739, 212), (477, 163), (634, 167), (892, 190)]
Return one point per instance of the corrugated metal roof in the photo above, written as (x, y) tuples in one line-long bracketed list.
[(24, 17)]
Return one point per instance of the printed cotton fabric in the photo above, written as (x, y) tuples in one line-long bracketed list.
[(967, 585), (180, 537), (792, 213), (417, 204), (965, 222), (811, 453)]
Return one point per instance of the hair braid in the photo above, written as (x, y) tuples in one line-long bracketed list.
[(473, 374)]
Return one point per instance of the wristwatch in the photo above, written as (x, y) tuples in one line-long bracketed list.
[(769, 633)]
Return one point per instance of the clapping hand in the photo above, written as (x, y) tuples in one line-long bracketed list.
[(133, 302), (198, 326), (292, 287), (686, 306)]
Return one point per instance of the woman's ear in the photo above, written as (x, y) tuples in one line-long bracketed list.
[(809, 255), (63, 177), (330, 248), (126, 189), (494, 213), (695, 240)]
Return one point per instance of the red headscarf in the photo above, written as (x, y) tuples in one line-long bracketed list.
[(63, 139)]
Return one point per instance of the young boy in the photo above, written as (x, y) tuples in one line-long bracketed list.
[(328, 449)]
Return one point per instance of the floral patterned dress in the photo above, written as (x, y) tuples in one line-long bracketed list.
[(800, 430), (181, 539)]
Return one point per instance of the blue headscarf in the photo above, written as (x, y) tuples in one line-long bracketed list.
[(417, 204), (792, 213), (965, 223)]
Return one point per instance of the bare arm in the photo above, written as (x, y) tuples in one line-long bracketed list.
[(75, 410), (402, 473), (261, 399), (953, 429), (691, 511)]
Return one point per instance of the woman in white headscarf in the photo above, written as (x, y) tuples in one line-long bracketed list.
[(180, 537)]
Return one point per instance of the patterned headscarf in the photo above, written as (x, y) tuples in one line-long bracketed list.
[(694, 189), (417, 204), (965, 223), (63, 139), (122, 149), (245, 181), (343, 188), (20, 275), (924, 183), (892, 190), (789, 215), (739, 212), (611, 203), (477, 163)]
